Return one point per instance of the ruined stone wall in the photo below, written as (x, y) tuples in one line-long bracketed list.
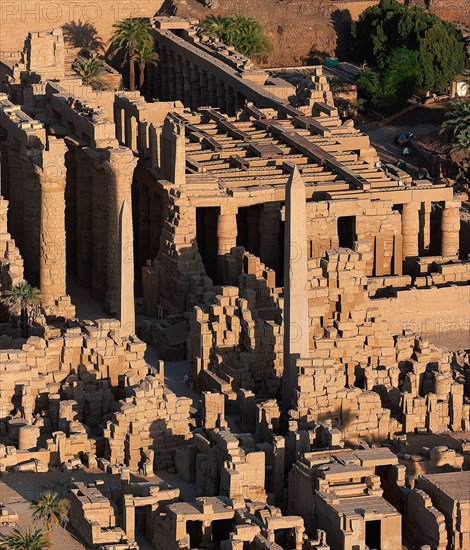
[(238, 334), (427, 310), (323, 396), (182, 277), (36, 377), (423, 522), (149, 425), (11, 263), (376, 224)]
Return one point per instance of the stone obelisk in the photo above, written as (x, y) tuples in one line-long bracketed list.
[(126, 311), (296, 323)]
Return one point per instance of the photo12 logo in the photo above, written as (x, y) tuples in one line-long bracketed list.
[(58, 13)]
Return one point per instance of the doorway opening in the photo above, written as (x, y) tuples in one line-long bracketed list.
[(347, 231), (373, 534)]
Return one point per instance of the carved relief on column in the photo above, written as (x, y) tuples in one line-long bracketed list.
[(226, 234), (450, 226), (120, 165), (52, 251), (410, 229), (425, 228)]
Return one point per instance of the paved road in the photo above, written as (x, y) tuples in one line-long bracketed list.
[(421, 121)]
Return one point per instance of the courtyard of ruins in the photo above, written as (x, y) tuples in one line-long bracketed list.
[(252, 333)]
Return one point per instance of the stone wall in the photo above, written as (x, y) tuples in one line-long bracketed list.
[(34, 377), (149, 426), (11, 263), (237, 334), (423, 523)]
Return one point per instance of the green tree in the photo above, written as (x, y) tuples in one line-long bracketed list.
[(389, 25), (130, 34), (144, 54), (245, 34), (24, 539), (390, 89), (25, 297), (91, 71), (219, 27), (52, 511), (456, 126)]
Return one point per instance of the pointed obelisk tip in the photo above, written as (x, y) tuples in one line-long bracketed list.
[(295, 179)]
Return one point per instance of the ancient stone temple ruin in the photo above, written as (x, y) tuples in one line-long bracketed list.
[(236, 345)]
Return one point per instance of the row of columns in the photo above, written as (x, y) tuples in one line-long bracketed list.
[(412, 229), (415, 227), (264, 227), (180, 79), (98, 184)]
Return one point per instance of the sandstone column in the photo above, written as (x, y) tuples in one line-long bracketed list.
[(296, 323), (212, 89), (229, 100), (450, 226), (120, 166), (125, 305), (226, 235), (195, 87), (221, 95), (171, 77), (31, 217), (52, 261), (161, 84), (410, 229), (179, 83), (84, 230), (270, 226), (425, 225), (187, 92), (203, 85)]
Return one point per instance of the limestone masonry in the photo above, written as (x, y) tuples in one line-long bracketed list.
[(251, 334)]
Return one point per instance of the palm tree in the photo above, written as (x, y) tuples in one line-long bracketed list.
[(457, 126), (129, 34), (245, 34), (24, 539), (219, 27), (91, 71), (249, 37), (25, 297), (52, 510), (144, 54)]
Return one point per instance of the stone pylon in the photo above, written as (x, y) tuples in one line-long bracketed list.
[(126, 310), (296, 323)]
